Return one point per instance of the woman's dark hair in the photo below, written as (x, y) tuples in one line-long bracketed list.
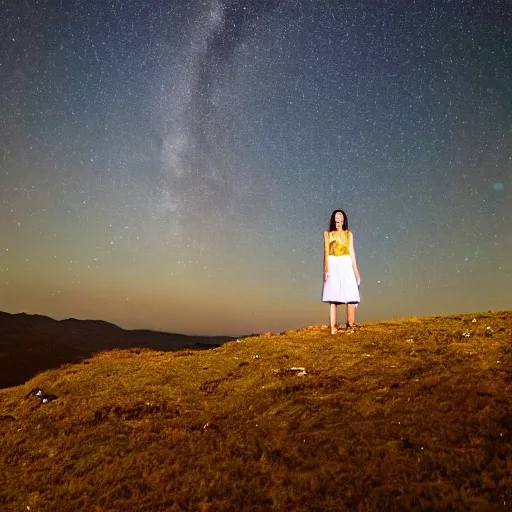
[(332, 222)]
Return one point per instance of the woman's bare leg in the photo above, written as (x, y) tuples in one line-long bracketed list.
[(332, 318), (351, 314)]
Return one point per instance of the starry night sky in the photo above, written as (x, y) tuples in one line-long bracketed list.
[(172, 165)]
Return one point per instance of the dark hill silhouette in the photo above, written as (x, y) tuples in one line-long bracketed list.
[(33, 343)]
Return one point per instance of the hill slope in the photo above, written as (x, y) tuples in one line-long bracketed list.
[(32, 343), (411, 414)]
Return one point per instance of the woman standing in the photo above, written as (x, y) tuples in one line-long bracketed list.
[(341, 276)]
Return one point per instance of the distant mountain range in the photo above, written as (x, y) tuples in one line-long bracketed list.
[(33, 343)]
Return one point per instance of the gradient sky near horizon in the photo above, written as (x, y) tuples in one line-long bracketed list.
[(172, 165)]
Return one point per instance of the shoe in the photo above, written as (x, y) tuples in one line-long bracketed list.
[(334, 331)]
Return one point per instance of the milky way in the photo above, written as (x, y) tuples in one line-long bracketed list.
[(172, 165)]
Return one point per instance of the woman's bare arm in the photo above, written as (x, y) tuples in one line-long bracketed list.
[(326, 253), (353, 256)]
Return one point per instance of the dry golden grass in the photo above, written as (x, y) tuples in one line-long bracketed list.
[(401, 415)]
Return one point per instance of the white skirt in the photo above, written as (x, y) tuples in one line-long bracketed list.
[(340, 285)]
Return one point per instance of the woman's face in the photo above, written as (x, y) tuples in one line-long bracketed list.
[(338, 218)]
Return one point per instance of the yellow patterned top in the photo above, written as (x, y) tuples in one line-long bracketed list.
[(338, 243)]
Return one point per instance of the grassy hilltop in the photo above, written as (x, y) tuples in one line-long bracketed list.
[(412, 414)]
